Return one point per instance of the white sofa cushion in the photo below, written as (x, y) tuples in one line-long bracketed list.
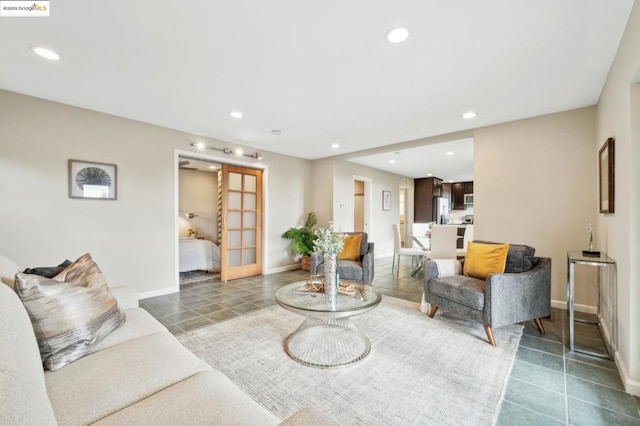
[(23, 394), (208, 397), (109, 380), (139, 323), (8, 270)]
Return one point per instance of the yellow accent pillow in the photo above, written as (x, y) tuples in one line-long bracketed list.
[(485, 259), (351, 248)]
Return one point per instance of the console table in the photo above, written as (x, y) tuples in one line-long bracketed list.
[(609, 265)]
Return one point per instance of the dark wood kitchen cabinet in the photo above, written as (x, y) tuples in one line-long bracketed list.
[(424, 191), (458, 190), (457, 196), (446, 192), (468, 187)]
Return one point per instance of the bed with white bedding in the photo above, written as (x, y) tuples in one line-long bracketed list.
[(198, 254)]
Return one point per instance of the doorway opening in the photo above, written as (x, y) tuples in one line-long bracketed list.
[(402, 210), (361, 204), (358, 206), (219, 219)]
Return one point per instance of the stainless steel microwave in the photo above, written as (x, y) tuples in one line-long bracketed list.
[(468, 199)]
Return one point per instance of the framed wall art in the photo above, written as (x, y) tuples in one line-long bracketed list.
[(386, 200), (92, 180), (607, 176)]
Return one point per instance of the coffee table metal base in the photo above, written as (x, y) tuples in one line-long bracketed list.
[(327, 342)]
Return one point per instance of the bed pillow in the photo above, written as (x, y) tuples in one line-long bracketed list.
[(48, 271), (71, 312)]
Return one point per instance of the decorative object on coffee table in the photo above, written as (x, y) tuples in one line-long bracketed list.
[(359, 268), (329, 244)]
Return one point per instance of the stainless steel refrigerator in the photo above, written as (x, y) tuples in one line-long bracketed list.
[(440, 210)]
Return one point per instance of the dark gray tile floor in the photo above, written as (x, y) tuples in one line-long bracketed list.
[(547, 385)]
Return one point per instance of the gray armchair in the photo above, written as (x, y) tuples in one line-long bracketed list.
[(354, 270), (521, 293)]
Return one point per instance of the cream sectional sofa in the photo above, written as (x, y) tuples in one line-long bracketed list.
[(139, 374)]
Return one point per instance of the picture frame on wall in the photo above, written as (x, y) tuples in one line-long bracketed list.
[(91, 180), (607, 176), (386, 200)]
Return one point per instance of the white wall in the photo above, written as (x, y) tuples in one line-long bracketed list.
[(289, 201), (198, 194), (132, 238), (619, 233), (534, 183), (381, 220), (322, 191)]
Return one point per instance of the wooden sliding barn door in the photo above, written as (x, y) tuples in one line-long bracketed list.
[(241, 227)]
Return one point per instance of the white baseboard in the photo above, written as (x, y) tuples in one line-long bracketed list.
[(154, 293), (587, 309), (630, 386), (282, 269)]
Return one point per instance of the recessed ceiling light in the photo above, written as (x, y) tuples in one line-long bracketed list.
[(235, 114), (238, 152), (335, 145), (392, 161), (200, 145), (46, 53), (397, 35), (450, 181), (212, 167), (429, 174), (469, 115), (449, 153)]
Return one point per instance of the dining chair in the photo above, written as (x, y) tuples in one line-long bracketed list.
[(468, 236), (402, 251), (443, 242)]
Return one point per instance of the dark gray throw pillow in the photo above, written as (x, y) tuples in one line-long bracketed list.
[(48, 271)]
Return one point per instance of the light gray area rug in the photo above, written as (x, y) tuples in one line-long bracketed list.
[(420, 370)]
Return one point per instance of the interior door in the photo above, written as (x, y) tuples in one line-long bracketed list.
[(241, 227), (358, 206)]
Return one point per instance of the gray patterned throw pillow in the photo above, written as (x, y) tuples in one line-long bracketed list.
[(70, 312)]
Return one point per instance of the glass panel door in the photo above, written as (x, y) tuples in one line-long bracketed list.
[(241, 236)]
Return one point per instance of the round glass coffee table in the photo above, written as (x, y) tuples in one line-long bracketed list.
[(327, 338)]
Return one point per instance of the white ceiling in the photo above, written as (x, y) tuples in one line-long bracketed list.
[(427, 160), (321, 72)]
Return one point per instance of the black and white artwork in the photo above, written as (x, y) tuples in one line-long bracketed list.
[(92, 180)]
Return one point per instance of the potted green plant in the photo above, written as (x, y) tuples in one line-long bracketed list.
[(302, 240)]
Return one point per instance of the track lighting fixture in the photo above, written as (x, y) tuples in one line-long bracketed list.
[(203, 146)]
